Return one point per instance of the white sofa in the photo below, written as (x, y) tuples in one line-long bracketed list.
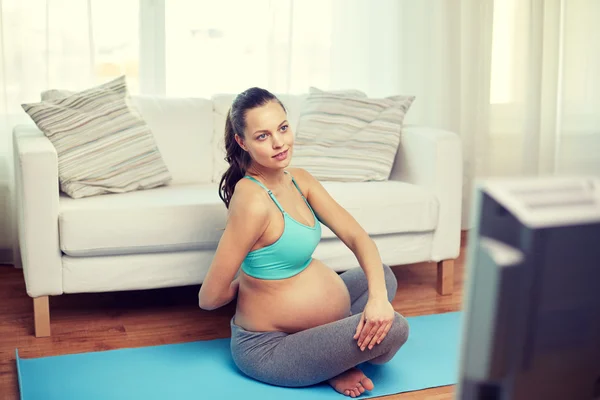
[(167, 236)]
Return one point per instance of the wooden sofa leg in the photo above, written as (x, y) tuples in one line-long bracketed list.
[(445, 277), (41, 316)]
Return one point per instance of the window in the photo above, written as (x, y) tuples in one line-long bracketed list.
[(116, 41), (545, 62), (228, 46), (49, 48), (214, 47)]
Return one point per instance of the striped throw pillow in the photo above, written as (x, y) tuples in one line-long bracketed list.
[(347, 137), (102, 142)]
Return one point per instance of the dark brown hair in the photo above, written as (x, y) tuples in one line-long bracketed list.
[(239, 160)]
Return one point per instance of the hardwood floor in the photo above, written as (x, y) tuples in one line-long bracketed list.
[(104, 321)]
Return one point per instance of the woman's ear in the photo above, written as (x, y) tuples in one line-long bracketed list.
[(240, 142)]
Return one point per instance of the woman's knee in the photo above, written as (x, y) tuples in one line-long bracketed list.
[(395, 338), (399, 331), (391, 283)]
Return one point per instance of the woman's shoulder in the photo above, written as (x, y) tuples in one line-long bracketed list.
[(248, 197), (248, 212), (300, 174), (303, 178)]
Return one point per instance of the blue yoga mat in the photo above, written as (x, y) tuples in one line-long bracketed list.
[(205, 370)]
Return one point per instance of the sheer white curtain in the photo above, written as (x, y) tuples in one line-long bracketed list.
[(517, 79), (545, 88), (531, 89)]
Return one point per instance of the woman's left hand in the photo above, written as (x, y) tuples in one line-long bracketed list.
[(375, 322)]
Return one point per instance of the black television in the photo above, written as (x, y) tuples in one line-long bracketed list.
[(531, 326)]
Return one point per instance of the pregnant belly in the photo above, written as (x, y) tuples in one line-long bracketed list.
[(314, 297)]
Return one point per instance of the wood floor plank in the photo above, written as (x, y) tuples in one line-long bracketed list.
[(105, 321)]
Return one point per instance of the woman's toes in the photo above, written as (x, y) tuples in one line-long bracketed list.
[(351, 383), (367, 383)]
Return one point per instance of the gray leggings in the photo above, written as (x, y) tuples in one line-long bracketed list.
[(320, 353)]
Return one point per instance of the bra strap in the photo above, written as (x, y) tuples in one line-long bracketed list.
[(300, 191), (271, 195)]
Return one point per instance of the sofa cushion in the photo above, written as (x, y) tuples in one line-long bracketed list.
[(177, 217), (192, 217), (103, 144), (182, 128), (347, 137)]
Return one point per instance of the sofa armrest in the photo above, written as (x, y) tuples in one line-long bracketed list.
[(432, 158), (37, 194)]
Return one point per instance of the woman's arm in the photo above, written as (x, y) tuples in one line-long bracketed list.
[(226, 297), (345, 227), (378, 315), (246, 222)]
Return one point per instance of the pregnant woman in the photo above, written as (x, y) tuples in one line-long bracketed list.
[(297, 322)]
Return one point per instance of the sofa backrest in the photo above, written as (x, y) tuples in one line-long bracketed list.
[(183, 130), (189, 132)]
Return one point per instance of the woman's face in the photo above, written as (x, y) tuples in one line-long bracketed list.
[(268, 137)]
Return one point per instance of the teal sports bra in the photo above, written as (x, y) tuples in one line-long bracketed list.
[(291, 253)]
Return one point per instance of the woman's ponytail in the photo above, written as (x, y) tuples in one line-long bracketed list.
[(238, 160)]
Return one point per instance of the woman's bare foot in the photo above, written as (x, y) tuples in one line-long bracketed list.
[(351, 383)]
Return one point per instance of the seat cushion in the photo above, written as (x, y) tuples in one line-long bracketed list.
[(192, 217), (385, 207), (177, 217)]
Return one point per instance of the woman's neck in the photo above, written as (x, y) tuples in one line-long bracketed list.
[(271, 178)]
